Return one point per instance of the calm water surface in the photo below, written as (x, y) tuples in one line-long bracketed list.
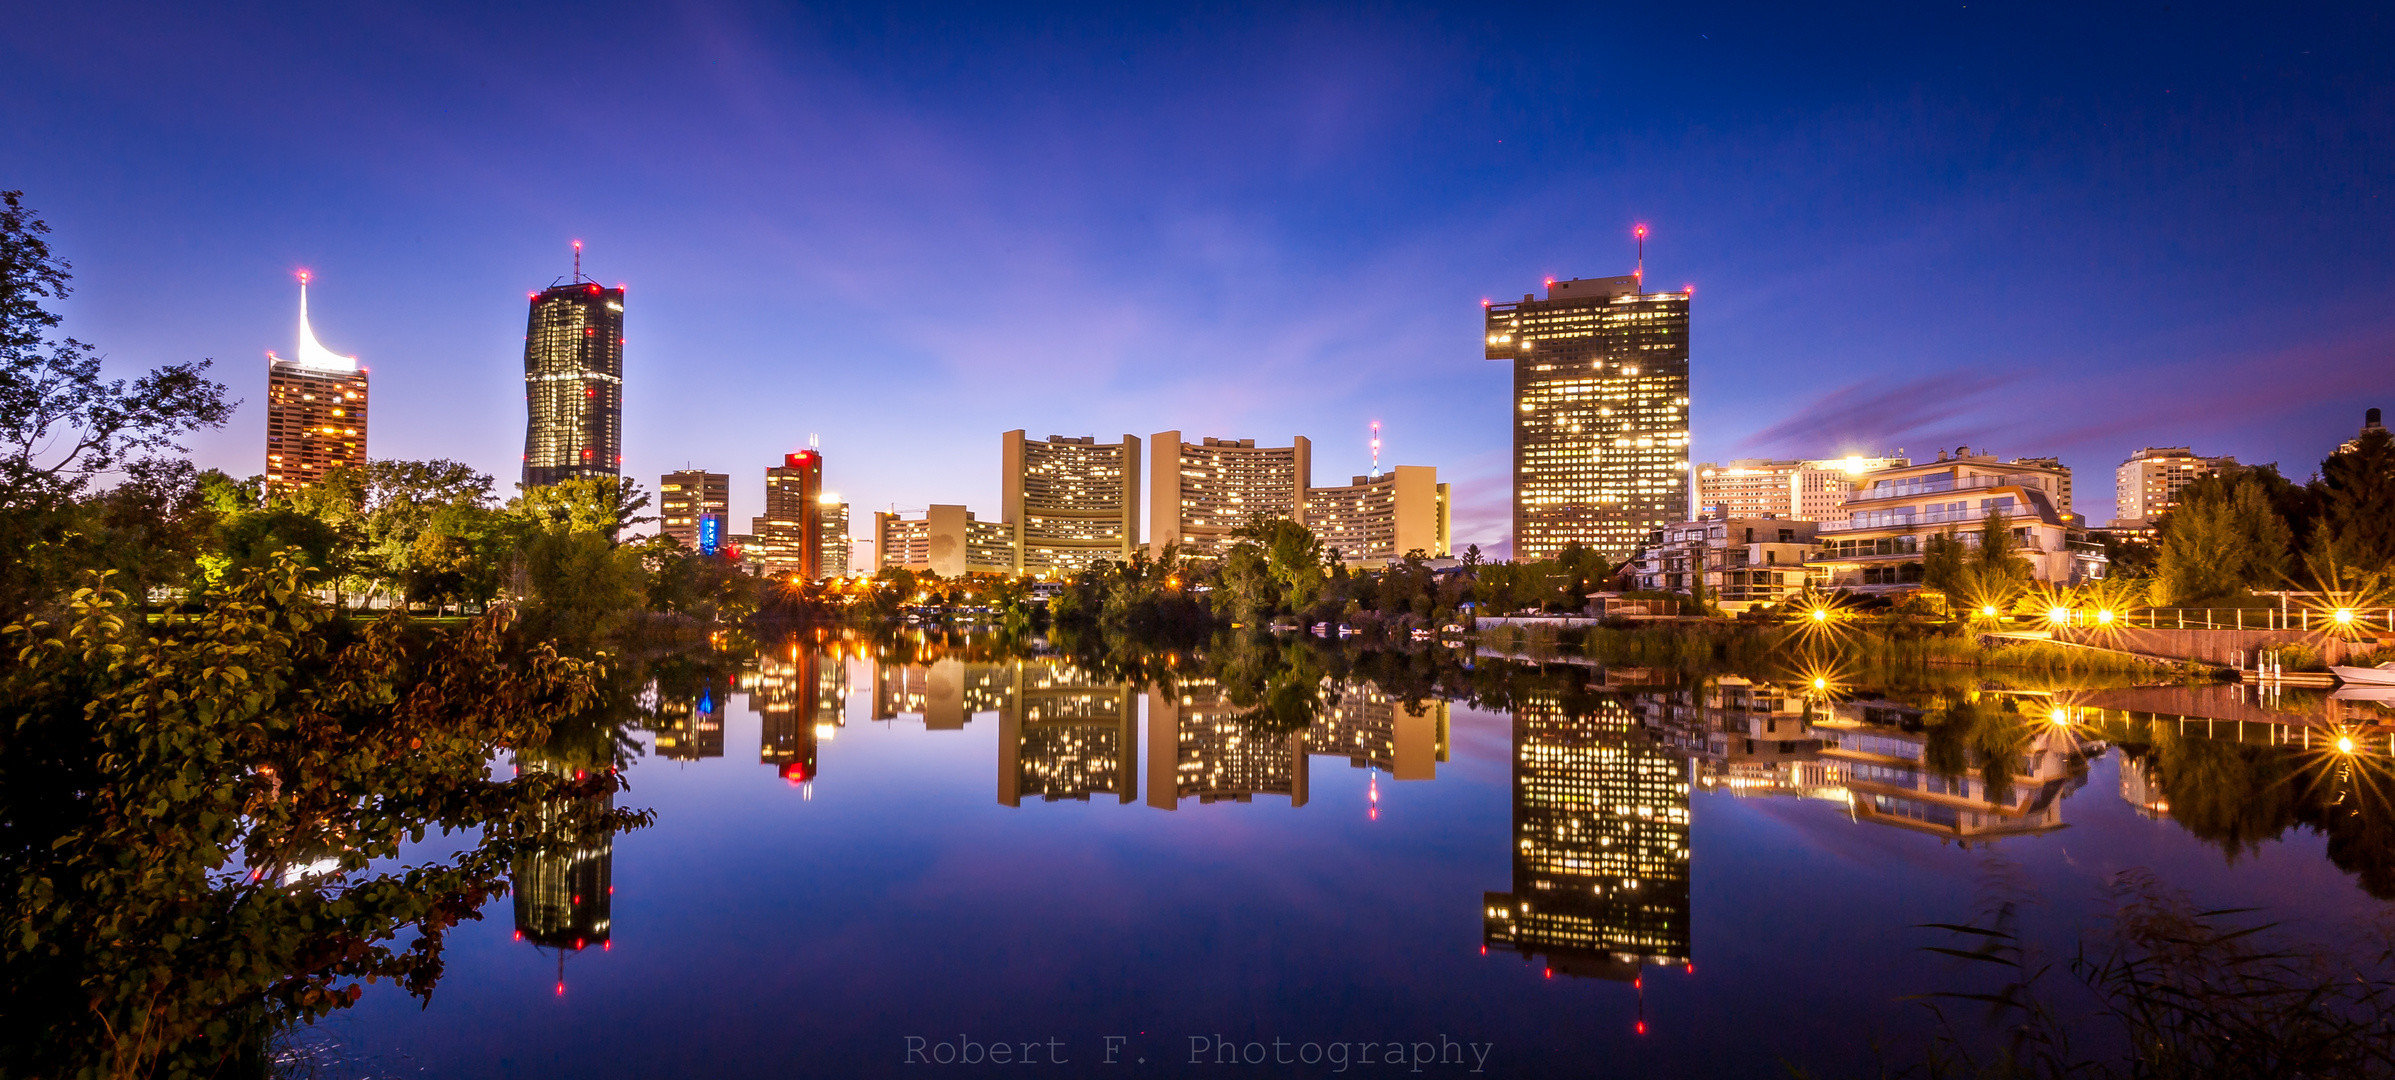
[(1606, 871)]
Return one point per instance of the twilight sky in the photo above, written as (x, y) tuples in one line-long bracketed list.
[(2064, 229)]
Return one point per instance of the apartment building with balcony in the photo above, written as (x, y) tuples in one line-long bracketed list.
[(1893, 514), (1743, 562)]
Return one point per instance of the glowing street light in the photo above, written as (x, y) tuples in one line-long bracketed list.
[(2058, 615), (1821, 615), (2344, 616), (1987, 611), (2103, 616), (2058, 717), (2345, 744)]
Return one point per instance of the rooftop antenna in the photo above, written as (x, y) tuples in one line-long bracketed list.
[(813, 442), (1641, 273), (1376, 449), (577, 260)]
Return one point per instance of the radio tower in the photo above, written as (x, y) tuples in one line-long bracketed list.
[(1641, 273), (1376, 449)]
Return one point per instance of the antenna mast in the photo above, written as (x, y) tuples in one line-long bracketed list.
[(577, 260), (1641, 272), (1376, 449)]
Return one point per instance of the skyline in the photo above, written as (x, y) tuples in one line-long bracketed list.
[(1064, 225)]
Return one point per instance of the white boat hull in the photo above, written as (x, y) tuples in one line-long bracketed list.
[(2366, 676)]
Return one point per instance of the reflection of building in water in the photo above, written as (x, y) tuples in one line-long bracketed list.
[(2140, 787), (798, 699), (692, 728), (1371, 729), (1064, 735), (1884, 748), (564, 898), (945, 693), (1198, 746), (1600, 843)]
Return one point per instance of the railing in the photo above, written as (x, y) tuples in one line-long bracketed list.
[(1934, 517), (2324, 620), (1906, 489)]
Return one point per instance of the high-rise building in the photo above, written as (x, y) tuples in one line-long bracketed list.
[(315, 409), (790, 535), (1065, 733), (1799, 490), (695, 507), (1072, 502), (1600, 850), (2062, 493), (1200, 493), (2150, 482), (1378, 520), (837, 546), (1600, 413), (574, 381), (1198, 744), (947, 540)]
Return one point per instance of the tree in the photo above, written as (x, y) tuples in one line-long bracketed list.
[(60, 422), (606, 505), (2356, 493), (2221, 538)]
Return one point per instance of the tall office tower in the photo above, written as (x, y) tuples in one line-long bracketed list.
[(1198, 745), (315, 409), (799, 701), (2150, 481), (574, 381), (1798, 490), (1378, 520), (565, 898), (1600, 851), (1600, 413), (1200, 493), (1067, 734), (696, 508), (2062, 490), (790, 535), (832, 521), (1072, 503)]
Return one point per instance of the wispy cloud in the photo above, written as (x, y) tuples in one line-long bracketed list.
[(1876, 415)]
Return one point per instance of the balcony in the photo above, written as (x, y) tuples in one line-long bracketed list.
[(1932, 485)]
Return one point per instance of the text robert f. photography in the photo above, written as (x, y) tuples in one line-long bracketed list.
[(1333, 1056)]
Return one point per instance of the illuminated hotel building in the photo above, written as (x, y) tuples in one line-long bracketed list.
[(695, 508), (1600, 413), (1798, 490), (946, 540), (1198, 745), (2150, 482), (790, 535), (1600, 851), (832, 518), (315, 410), (1199, 493), (574, 382), (1378, 520), (1072, 502), (1063, 734)]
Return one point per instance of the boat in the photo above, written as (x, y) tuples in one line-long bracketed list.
[(2382, 675)]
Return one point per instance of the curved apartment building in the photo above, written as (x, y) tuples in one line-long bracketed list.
[(1070, 502), (1202, 492)]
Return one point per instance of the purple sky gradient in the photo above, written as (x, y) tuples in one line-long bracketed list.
[(2042, 230)]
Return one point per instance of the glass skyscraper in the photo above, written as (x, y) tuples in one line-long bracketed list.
[(1600, 413), (574, 383)]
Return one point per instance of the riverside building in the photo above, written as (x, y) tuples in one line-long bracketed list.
[(946, 540), (1741, 562), (1894, 513), (1600, 413), (574, 381), (315, 410), (1200, 493), (790, 535), (1811, 490), (1071, 503), (2150, 482), (695, 507), (1378, 520)]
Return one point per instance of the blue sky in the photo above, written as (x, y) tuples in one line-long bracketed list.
[(2039, 229)]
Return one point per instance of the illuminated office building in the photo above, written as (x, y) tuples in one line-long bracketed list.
[(1200, 493), (315, 410), (947, 540), (1198, 745), (1064, 734), (1600, 850), (790, 535), (565, 899), (799, 699), (1071, 502), (695, 507), (1379, 520), (832, 515), (1600, 413), (691, 727), (574, 381), (2150, 482), (1798, 490)]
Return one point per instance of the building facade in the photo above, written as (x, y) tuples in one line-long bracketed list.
[(1200, 493), (1378, 520), (790, 534), (2150, 482), (695, 507), (838, 547), (1600, 414), (1894, 514), (1810, 490), (946, 540), (1071, 502), (315, 410), (1741, 562), (574, 383)]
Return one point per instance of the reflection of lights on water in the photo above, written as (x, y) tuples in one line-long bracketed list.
[(1820, 683), (2345, 744)]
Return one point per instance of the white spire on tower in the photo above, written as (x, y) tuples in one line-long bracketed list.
[(312, 353)]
